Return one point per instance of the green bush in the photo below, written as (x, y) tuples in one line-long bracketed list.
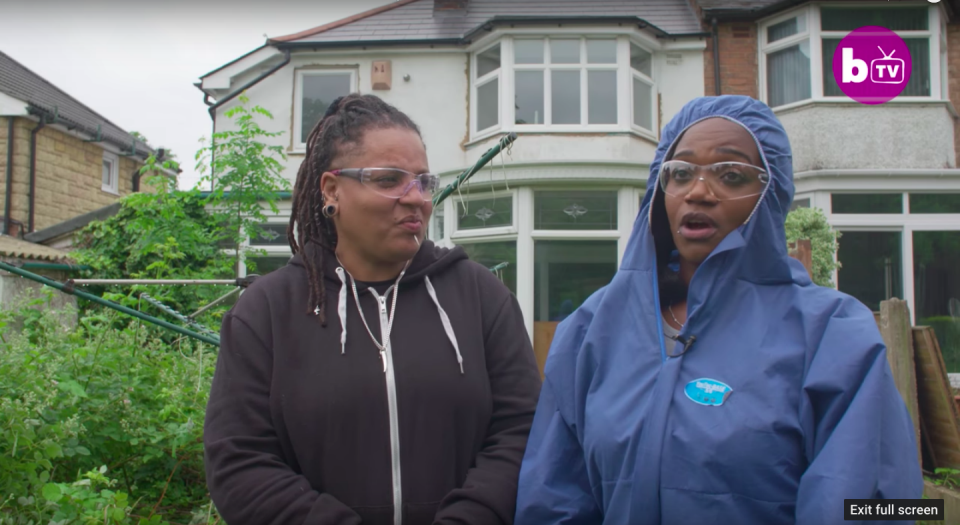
[(99, 425), (811, 223), (948, 335)]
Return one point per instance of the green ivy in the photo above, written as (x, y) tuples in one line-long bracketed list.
[(811, 223)]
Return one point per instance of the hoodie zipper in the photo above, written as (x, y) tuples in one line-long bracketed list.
[(387, 356)]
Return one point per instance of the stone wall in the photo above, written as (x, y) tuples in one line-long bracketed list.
[(69, 175)]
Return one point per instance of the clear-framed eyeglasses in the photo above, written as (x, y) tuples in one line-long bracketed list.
[(392, 183), (725, 180)]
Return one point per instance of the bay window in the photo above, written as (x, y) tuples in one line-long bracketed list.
[(563, 83), (797, 50)]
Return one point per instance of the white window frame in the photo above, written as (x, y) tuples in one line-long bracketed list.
[(452, 220), (814, 36), (904, 222), (477, 82), (625, 75), (113, 186), (268, 250), (299, 143)]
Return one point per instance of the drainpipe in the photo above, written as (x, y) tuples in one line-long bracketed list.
[(213, 107), (9, 189), (33, 170), (716, 58)]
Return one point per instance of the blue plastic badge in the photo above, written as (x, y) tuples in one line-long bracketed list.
[(708, 392)]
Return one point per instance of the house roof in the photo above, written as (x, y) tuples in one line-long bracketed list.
[(11, 247), (753, 9), (45, 99), (415, 20), (74, 224)]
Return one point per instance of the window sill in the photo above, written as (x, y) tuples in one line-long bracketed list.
[(483, 232), (581, 131), (912, 101), (111, 191)]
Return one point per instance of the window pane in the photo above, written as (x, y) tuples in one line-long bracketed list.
[(529, 97), (436, 226), (491, 254), (488, 106), (935, 203), (566, 96), (602, 97), (602, 51), (566, 273), (488, 61), (870, 268), (830, 86), (107, 168), (642, 104), (485, 213), (866, 203), (800, 203), (786, 28), (936, 267), (565, 51), (788, 75), (318, 92), (641, 60), (575, 210), (917, 86), (893, 18), (919, 83), (265, 265), (271, 235), (528, 51)]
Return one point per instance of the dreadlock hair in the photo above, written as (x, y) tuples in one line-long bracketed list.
[(343, 126)]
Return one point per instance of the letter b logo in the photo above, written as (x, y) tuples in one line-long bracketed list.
[(850, 64)]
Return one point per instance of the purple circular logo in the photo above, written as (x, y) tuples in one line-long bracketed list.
[(872, 65)]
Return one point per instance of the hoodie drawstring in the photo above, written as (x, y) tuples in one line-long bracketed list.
[(342, 310), (444, 318)]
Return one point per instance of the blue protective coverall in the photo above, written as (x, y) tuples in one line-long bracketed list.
[(812, 416)]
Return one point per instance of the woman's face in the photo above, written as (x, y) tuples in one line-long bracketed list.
[(698, 219), (380, 229)]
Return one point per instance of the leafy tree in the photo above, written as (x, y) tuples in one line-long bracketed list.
[(811, 223), (245, 174)]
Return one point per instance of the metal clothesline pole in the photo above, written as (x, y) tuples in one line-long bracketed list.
[(467, 173), (214, 340), (232, 282)]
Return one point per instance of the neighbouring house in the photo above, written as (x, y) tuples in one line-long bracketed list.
[(587, 87), (59, 159), (886, 176)]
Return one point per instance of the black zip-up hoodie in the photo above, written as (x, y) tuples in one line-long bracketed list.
[(304, 426)]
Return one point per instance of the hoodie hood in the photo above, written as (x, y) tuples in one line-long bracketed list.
[(757, 250), (429, 260)]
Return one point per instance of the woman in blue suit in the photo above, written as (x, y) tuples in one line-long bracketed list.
[(711, 381)]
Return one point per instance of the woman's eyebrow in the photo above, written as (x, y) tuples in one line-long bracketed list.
[(735, 151)]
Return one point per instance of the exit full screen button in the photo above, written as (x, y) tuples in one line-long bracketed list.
[(892, 509)]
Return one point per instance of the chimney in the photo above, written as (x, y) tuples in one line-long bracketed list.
[(449, 7)]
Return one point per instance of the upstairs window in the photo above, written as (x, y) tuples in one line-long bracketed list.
[(315, 89), (110, 177), (798, 47), (563, 83)]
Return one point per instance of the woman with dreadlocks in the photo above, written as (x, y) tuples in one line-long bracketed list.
[(412, 402)]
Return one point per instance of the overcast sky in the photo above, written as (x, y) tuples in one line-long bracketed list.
[(135, 62)]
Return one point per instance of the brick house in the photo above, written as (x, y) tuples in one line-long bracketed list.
[(886, 176), (59, 159)]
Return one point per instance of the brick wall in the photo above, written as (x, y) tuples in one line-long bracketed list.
[(953, 79), (69, 175), (738, 60)]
